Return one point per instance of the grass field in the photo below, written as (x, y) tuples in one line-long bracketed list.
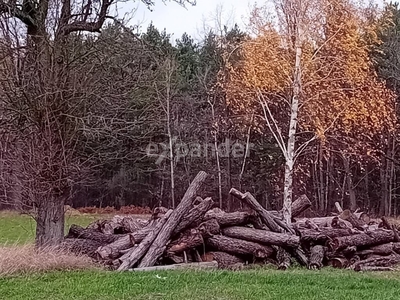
[(20, 229), (296, 284), (257, 285)]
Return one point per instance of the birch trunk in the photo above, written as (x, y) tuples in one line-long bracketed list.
[(291, 144)]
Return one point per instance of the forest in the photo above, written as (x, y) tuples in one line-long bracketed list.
[(301, 101)]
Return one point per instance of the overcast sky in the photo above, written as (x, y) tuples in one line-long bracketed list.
[(177, 20), (192, 19)]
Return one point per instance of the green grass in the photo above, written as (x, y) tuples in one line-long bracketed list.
[(20, 229), (256, 284)]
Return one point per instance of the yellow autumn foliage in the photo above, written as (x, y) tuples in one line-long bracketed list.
[(341, 93)]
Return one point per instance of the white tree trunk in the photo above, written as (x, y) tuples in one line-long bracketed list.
[(291, 144)]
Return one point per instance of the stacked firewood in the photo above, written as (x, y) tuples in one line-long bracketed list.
[(196, 234)]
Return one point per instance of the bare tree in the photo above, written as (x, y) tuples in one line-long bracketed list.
[(43, 99)]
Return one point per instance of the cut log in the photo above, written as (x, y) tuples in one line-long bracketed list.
[(195, 215), (129, 259), (131, 224), (236, 246), (300, 205), (159, 244), (262, 236), (190, 239), (209, 228), (317, 255), (384, 249), (114, 250), (81, 246), (320, 222), (363, 239), (378, 261), (350, 217), (76, 231), (338, 262), (190, 266), (265, 216), (230, 219), (363, 217), (283, 257), (225, 260), (322, 236), (373, 269)]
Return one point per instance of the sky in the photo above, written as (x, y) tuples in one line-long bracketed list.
[(194, 20)]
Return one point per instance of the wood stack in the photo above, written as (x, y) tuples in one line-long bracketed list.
[(197, 235)]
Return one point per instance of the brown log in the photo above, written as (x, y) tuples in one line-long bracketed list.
[(262, 236), (209, 228), (300, 205), (320, 222), (132, 224), (363, 239), (265, 216), (384, 249), (349, 216), (195, 215), (363, 217), (373, 269), (76, 231), (81, 246), (377, 261), (338, 262), (190, 239), (115, 249), (241, 247), (190, 266), (158, 246), (284, 258), (317, 255), (225, 260), (230, 219), (129, 259), (322, 236)]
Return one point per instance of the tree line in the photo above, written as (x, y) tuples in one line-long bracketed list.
[(303, 101)]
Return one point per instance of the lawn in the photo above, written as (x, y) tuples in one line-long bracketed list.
[(20, 229), (255, 284)]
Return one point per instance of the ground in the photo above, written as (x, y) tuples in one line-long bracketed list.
[(296, 284)]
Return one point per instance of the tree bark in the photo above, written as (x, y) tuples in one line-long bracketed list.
[(349, 216), (300, 205), (316, 257), (225, 260), (159, 244), (190, 239), (113, 250), (384, 249), (230, 219), (50, 222), (189, 266), (81, 247), (322, 236), (236, 246), (129, 259), (265, 216), (195, 216), (262, 236), (284, 258), (76, 231), (373, 238)]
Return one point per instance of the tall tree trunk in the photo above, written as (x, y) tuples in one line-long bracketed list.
[(50, 222), (290, 155)]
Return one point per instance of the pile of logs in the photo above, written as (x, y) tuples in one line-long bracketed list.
[(197, 235)]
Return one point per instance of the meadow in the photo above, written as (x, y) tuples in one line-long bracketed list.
[(263, 283)]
